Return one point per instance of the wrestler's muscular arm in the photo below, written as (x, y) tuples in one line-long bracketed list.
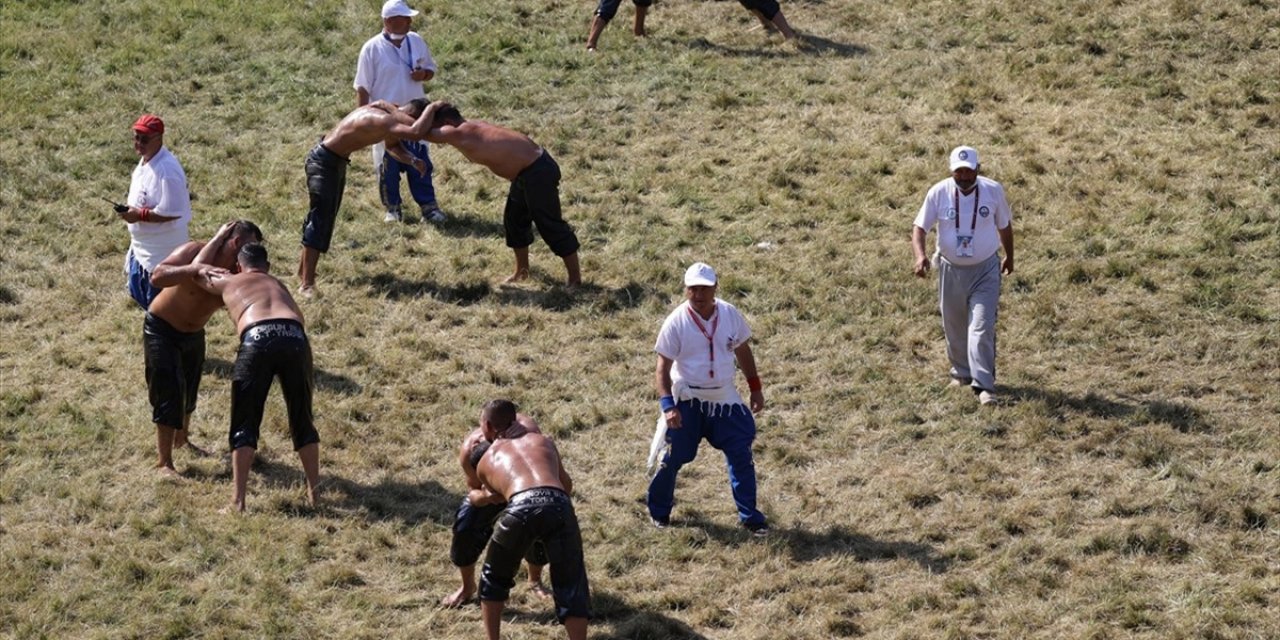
[(185, 261)]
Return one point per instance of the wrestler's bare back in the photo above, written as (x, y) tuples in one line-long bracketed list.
[(523, 424), (254, 296), (366, 126), (503, 151), (527, 461)]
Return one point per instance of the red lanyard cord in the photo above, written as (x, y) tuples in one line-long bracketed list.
[(711, 337)]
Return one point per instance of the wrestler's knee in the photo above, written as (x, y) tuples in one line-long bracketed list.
[(607, 9), (494, 583)]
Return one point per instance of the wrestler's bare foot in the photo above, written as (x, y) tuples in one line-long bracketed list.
[(167, 472), (232, 509), (516, 277), (540, 590), (457, 598), (313, 497), (195, 450)]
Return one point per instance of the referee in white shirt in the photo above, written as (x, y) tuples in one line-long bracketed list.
[(973, 223), (697, 347), (392, 66), (158, 209)]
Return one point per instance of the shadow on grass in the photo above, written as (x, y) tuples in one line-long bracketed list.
[(331, 382), (464, 226), (410, 503), (396, 288), (553, 298), (1182, 417), (612, 618), (809, 45), (806, 546)]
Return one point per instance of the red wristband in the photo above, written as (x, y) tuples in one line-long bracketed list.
[(143, 214), (753, 383)]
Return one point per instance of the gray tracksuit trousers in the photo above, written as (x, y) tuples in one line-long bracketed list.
[(968, 297)]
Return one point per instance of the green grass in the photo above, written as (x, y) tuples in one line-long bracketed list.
[(1127, 488)]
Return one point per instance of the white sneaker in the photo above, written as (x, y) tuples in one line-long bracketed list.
[(432, 213), (987, 397), (393, 215), (958, 382)]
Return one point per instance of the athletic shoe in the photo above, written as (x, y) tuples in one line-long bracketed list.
[(958, 382), (661, 523), (432, 213), (393, 215), (987, 397), (757, 529)]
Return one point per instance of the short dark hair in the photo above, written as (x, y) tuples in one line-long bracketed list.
[(446, 115), (501, 413), (254, 255), (477, 452), (415, 107), (243, 227)]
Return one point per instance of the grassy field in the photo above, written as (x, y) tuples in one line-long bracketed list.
[(1129, 486)]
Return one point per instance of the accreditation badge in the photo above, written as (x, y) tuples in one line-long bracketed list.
[(964, 246)]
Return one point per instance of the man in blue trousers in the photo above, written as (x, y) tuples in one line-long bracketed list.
[(697, 347)]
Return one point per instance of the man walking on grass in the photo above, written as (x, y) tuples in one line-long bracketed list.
[(534, 198), (973, 222), (273, 344), (524, 470), (697, 347), (173, 334), (326, 168)]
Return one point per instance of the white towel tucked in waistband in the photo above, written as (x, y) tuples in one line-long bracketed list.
[(713, 401)]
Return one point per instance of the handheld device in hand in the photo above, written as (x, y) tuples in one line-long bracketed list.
[(120, 208)]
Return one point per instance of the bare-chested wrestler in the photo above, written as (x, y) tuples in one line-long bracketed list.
[(273, 344), (534, 198), (473, 525), (173, 334), (525, 471), (327, 168)]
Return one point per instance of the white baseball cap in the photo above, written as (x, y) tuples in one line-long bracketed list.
[(700, 274), (964, 157), (396, 8)]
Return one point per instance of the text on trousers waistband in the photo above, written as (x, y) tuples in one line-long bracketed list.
[(282, 330)]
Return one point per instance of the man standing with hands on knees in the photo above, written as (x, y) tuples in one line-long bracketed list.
[(273, 344), (973, 222), (158, 209), (392, 67), (697, 347)]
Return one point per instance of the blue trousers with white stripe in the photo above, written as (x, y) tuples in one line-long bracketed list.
[(729, 428), (419, 183)]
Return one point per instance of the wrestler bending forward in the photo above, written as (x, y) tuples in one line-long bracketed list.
[(525, 470), (273, 344)]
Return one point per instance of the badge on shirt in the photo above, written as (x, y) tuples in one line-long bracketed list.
[(964, 246), (984, 212), (949, 214)]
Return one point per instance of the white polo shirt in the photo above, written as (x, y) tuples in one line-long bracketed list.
[(159, 185), (383, 68), (977, 215), (684, 339)]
